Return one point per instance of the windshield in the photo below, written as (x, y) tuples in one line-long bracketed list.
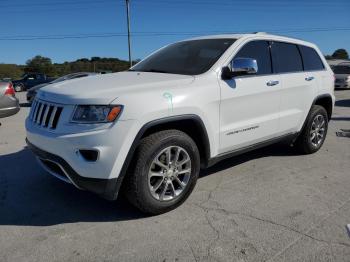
[(60, 79), (192, 57), (68, 77), (344, 69)]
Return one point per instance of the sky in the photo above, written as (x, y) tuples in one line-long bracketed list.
[(66, 30)]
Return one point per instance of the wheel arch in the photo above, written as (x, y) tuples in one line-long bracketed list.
[(190, 124), (326, 102)]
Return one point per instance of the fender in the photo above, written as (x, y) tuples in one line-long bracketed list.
[(143, 130), (324, 96), (314, 103)]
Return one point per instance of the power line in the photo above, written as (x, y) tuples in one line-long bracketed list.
[(252, 6), (235, 4), (200, 2), (153, 34), (78, 2)]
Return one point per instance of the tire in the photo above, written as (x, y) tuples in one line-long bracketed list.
[(144, 190), (19, 88), (310, 140)]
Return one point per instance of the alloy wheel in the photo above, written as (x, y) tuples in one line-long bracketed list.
[(317, 132), (169, 173)]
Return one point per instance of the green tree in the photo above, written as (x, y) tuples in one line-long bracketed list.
[(40, 64), (95, 58), (340, 54), (10, 71), (44, 65)]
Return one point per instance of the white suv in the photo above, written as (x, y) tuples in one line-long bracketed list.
[(151, 129)]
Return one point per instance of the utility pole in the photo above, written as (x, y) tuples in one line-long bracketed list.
[(128, 22)]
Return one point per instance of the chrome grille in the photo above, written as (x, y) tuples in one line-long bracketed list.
[(45, 114), (339, 81)]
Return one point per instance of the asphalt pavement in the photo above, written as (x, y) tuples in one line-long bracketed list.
[(268, 205)]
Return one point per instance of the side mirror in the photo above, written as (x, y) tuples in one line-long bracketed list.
[(240, 66), (244, 66)]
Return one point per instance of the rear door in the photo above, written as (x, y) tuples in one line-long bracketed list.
[(315, 70), (249, 109), (298, 87)]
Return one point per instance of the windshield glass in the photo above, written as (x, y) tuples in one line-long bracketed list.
[(344, 69), (192, 57)]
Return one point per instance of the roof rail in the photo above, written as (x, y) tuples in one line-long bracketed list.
[(260, 33)]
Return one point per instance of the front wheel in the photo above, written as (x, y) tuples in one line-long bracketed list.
[(314, 132), (164, 172)]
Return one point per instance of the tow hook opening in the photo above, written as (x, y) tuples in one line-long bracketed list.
[(90, 155)]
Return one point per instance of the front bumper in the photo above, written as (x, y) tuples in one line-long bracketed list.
[(57, 166), (344, 85), (6, 112), (60, 151), (112, 145)]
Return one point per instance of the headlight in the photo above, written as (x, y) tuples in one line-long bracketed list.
[(90, 114)]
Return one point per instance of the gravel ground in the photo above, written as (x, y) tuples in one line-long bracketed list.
[(267, 205)]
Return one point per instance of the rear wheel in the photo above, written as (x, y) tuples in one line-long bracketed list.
[(164, 172), (19, 88), (314, 133)]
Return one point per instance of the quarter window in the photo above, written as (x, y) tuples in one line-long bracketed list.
[(286, 58), (311, 59), (258, 50)]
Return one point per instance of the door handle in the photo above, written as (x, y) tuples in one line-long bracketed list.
[(272, 83), (309, 78)]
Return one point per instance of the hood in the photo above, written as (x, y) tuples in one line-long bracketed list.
[(16, 81), (103, 89)]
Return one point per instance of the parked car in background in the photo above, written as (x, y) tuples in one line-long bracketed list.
[(342, 76), (30, 80), (9, 104), (32, 91)]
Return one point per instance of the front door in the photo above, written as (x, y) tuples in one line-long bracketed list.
[(249, 110)]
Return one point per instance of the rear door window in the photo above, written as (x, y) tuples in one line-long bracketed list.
[(286, 58), (258, 50), (311, 59)]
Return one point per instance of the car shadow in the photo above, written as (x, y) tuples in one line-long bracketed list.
[(279, 149), (30, 197), (343, 103)]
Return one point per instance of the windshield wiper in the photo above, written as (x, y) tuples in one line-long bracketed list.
[(155, 71)]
